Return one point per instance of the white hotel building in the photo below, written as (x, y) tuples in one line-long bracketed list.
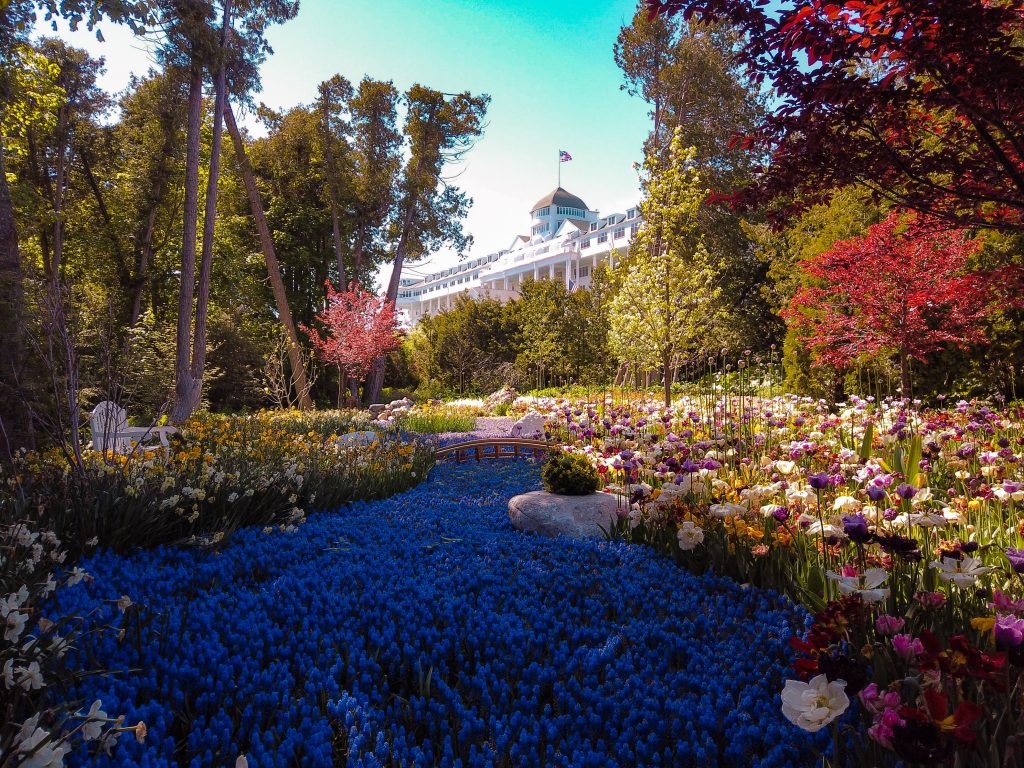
[(567, 241)]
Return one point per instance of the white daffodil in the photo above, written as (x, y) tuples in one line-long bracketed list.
[(922, 496), (30, 678), (814, 705), (828, 527), (14, 625), (689, 535), (963, 573), (866, 584), (96, 718)]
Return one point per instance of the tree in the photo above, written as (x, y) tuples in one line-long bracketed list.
[(902, 289), (440, 128), (358, 328), (689, 74), (332, 130), (920, 100), (16, 20), (665, 304)]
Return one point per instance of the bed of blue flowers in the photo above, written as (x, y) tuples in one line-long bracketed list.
[(423, 630)]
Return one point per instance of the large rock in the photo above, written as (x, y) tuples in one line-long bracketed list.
[(530, 426), (377, 409), (549, 514)]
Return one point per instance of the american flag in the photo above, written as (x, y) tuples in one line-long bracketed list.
[(564, 156)]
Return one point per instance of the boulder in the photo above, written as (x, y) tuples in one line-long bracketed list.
[(531, 425), (578, 517), (377, 409), (405, 402)]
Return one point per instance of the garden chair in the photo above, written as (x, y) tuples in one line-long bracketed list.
[(110, 430)]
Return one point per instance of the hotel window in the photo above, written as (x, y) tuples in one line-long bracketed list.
[(593, 226), (584, 271), (620, 232), (631, 213), (602, 238), (633, 230), (585, 243), (542, 212)]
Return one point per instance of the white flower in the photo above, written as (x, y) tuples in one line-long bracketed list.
[(233, 497), (845, 504), (929, 520), (35, 744), (124, 603), (814, 705), (689, 536), (726, 510), (15, 625), (922, 496), (241, 762), (76, 575), (866, 585), (95, 720), (8, 673), (30, 678), (963, 573), (785, 467)]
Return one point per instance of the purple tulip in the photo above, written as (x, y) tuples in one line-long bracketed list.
[(875, 492), (1008, 632), (906, 491), (781, 514), (856, 527), (1016, 558), (887, 625), (819, 481)]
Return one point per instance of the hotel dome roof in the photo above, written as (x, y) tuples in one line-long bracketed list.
[(562, 198)]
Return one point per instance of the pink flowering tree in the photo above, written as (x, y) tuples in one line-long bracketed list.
[(354, 329)]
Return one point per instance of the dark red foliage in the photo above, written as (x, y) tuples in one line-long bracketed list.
[(901, 289), (930, 115)]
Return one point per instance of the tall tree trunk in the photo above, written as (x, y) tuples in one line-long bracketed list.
[(15, 422), (375, 381), (273, 267), (142, 261), (339, 254), (185, 406), (183, 388), (357, 258), (905, 383), (667, 366)]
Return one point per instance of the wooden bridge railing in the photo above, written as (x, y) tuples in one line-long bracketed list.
[(500, 448)]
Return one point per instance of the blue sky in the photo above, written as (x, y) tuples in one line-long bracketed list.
[(548, 67)]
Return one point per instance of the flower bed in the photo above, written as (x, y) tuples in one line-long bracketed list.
[(421, 630), (899, 526), (222, 473)]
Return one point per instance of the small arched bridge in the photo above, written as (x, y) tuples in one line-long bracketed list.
[(493, 448)]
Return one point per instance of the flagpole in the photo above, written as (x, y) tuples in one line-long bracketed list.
[(559, 168)]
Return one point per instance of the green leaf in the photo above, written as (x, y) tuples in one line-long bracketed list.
[(865, 443)]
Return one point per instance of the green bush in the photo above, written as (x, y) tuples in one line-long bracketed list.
[(435, 421), (569, 474)]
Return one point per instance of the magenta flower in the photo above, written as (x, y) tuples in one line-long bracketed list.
[(1016, 558), (887, 625)]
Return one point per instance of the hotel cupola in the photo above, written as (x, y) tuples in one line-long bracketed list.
[(555, 207)]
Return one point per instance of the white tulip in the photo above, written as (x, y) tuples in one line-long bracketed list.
[(814, 705)]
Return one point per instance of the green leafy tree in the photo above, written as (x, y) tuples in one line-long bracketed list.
[(666, 304)]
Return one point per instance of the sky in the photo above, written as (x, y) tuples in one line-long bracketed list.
[(547, 65)]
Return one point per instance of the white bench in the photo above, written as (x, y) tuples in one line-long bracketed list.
[(110, 430)]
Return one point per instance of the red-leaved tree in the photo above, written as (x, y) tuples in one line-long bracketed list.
[(920, 100), (901, 290), (357, 328)]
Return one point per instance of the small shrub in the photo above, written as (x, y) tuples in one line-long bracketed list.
[(501, 409), (569, 474), (435, 421)]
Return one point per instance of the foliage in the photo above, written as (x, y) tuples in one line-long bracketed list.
[(920, 101), (902, 289), (434, 420), (664, 308), (361, 643), (569, 474)]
